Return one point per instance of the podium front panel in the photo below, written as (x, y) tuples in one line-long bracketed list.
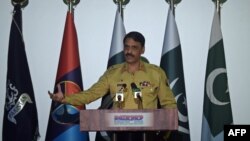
[(128, 120)]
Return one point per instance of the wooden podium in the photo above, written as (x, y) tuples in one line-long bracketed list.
[(129, 120)]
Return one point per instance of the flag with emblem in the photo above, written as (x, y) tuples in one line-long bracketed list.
[(64, 119), (116, 56), (171, 62), (217, 110), (20, 122)]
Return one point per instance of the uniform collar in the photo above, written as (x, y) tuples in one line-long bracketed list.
[(141, 67)]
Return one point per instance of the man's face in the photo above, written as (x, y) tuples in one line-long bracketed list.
[(132, 50)]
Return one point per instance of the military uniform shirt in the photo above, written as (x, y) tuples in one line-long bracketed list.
[(150, 79)]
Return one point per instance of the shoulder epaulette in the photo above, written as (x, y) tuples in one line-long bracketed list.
[(114, 67)]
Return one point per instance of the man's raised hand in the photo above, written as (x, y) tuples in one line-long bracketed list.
[(58, 97)]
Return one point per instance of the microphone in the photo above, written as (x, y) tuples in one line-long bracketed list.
[(137, 95), (136, 91), (119, 97)]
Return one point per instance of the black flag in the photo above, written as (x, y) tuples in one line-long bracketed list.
[(20, 121)]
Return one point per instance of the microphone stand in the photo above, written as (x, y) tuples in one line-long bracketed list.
[(119, 98), (114, 136), (140, 106), (119, 102)]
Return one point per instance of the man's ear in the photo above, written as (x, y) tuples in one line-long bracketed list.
[(143, 50)]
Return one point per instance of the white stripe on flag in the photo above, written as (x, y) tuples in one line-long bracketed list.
[(118, 35), (216, 34), (171, 38)]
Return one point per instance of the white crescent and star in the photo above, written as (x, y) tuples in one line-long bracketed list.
[(209, 92), (209, 86), (182, 117)]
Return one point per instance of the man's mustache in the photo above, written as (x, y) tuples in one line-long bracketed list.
[(128, 54)]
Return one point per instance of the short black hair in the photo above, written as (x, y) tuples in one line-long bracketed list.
[(137, 36)]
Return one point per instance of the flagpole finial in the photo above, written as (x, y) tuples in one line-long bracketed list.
[(218, 4), (73, 2), (174, 1), (219, 1), (173, 4), (22, 3), (123, 2), (70, 4)]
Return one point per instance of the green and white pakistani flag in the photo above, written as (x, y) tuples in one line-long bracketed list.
[(171, 63), (217, 110), (116, 56)]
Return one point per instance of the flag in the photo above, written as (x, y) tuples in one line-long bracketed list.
[(116, 56), (171, 63), (217, 110), (20, 122), (64, 119)]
